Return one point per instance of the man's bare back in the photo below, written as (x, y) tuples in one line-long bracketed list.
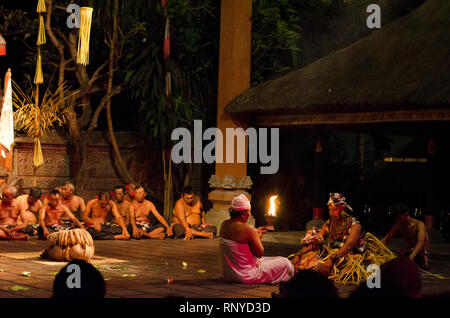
[(31, 211)]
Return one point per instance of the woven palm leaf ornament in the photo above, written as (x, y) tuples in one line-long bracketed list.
[(41, 34), (38, 76), (41, 6), (38, 120), (38, 159), (84, 36)]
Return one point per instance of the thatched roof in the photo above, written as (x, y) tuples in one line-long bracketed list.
[(403, 66)]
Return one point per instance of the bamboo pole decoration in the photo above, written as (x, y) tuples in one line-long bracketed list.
[(84, 36), (41, 6), (38, 76), (41, 35)]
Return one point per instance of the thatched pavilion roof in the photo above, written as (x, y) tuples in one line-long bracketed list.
[(400, 72)]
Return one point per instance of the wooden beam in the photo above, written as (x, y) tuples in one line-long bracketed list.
[(354, 118)]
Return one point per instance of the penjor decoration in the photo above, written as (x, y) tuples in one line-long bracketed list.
[(84, 36), (68, 245)]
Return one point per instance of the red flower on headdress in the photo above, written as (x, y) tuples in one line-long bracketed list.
[(48, 197), (112, 194), (96, 196), (132, 194), (42, 196), (126, 187)]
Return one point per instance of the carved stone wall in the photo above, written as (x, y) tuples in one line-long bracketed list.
[(143, 163)]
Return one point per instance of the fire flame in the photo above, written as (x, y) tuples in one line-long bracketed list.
[(272, 210)]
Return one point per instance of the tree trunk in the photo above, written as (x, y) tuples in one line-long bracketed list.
[(168, 184), (122, 167), (82, 175)]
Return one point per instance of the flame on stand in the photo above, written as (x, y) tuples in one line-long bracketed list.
[(272, 210)]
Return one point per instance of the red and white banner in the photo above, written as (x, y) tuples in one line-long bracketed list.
[(7, 125)]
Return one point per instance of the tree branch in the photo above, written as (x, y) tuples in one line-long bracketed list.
[(100, 107)]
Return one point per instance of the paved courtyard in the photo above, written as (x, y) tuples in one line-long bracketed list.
[(142, 268)]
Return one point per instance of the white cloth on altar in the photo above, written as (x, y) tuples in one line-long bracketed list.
[(240, 265)]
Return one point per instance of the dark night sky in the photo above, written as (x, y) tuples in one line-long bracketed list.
[(125, 118)]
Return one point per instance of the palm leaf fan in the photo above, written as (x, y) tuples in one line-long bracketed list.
[(37, 121)]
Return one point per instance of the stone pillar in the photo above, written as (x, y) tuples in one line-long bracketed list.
[(230, 179), (224, 191)]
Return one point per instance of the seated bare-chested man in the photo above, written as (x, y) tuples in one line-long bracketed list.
[(75, 203), (415, 234), (145, 220), (122, 205), (96, 216), (9, 212), (129, 192), (189, 217), (50, 216), (30, 204)]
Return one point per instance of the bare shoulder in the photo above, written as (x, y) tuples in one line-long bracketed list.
[(91, 202), (15, 203), (22, 198), (79, 199), (179, 204), (149, 204), (419, 223), (197, 201), (247, 229)]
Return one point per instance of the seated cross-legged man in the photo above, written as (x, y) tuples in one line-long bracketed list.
[(96, 215), (145, 220), (73, 202), (50, 216), (122, 204), (9, 213), (30, 205), (189, 217)]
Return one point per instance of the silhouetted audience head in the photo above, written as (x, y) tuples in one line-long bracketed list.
[(79, 279), (399, 278), (307, 284)]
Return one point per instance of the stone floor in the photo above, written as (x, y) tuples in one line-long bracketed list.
[(150, 263)]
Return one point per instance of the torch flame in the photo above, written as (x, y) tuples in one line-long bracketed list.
[(272, 210)]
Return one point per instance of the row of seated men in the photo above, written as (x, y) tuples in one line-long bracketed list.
[(119, 215)]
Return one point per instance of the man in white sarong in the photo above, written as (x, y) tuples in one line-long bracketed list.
[(242, 252)]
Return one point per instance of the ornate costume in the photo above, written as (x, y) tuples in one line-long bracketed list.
[(352, 268)]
